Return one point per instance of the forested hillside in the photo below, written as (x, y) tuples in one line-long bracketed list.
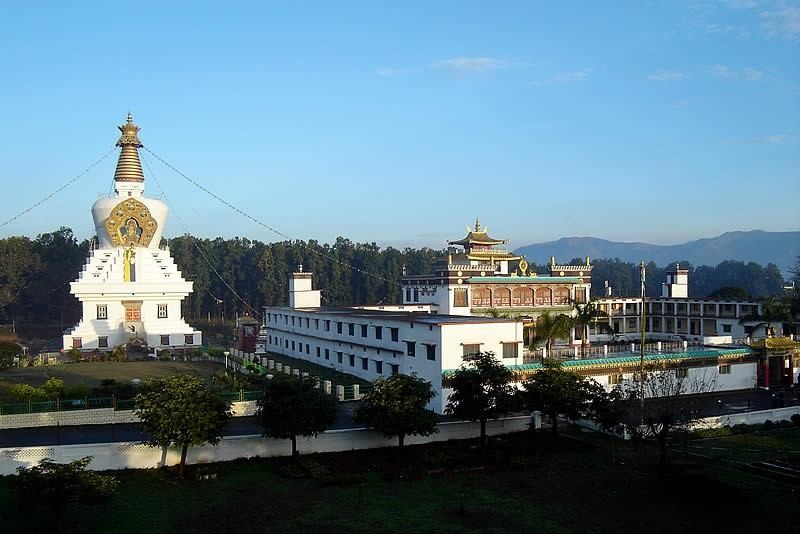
[(35, 274)]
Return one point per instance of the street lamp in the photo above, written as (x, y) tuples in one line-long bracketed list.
[(226, 353)]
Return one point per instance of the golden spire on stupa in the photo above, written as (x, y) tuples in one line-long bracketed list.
[(129, 168)]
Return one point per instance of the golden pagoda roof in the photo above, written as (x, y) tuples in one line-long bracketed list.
[(775, 343), (129, 168), (478, 236)]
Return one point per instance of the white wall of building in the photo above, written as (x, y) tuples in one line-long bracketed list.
[(741, 375)]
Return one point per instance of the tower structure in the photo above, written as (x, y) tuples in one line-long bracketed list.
[(130, 288)]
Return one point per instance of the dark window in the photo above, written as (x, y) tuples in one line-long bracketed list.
[(395, 369), (365, 364), (682, 372), (162, 311), (460, 298), (77, 343), (725, 369), (378, 367), (292, 346), (364, 329), (411, 348), (188, 339), (510, 350), (327, 326), (378, 332), (270, 340), (292, 320), (165, 340), (316, 324), (339, 328), (339, 357), (327, 354), (726, 328), (306, 322), (469, 350), (308, 348), (102, 342), (395, 333), (352, 360), (102, 311), (431, 352), (408, 295), (416, 295), (319, 352), (351, 329)]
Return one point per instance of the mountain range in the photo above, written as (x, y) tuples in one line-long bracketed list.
[(780, 248)]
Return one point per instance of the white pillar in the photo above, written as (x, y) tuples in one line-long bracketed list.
[(658, 346), (356, 392), (605, 350), (326, 386), (340, 392)]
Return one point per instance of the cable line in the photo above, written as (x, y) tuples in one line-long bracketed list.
[(266, 226), (194, 242), (54, 193)]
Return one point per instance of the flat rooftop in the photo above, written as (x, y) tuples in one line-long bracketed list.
[(390, 315)]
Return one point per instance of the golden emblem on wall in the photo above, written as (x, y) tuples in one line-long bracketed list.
[(523, 266), (130, 223)]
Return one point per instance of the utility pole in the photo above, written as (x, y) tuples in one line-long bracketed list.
[(641, 350)]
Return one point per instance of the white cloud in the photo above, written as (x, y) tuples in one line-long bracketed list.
[(752, 74), (771, 139), (471, 65), (667, 76), (565, 77), (781, 22), (747, 73), (722, 71), (386, 72)]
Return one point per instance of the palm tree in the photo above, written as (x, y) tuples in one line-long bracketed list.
[(773, 310), (585, 315), (551, 327)]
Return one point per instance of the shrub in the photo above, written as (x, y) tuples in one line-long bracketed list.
[(768, 424), (796, 419), (74, 355), (26, 392), (78, 391), (54, 387), (741, 428), (164, 355)]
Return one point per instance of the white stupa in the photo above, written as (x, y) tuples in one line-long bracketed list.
[(130, 289)]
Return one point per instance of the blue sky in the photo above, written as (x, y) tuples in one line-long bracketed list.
[(400, 122)]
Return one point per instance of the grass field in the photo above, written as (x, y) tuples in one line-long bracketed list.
[(92, 373), (520, 485)]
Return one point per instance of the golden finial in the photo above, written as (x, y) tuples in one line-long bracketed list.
[(130, 133), (477, 225)]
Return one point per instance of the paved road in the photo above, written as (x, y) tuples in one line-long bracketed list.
[(81, 434)]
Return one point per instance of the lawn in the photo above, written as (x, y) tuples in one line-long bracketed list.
[(548, 485), (92, 373), (750, 447)]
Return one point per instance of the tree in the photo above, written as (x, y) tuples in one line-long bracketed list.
[(182, 410), (729, 292), (585, 315), (670, 404), (553, 390), (396, 406), (550, 327), (55, 485), (482, 390), (294, 407)]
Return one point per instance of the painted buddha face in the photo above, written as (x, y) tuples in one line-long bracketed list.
[(131, 231)]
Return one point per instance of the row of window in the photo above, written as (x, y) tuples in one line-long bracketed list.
[(351, 358), (325, 324), (102, 341), (411, 348), (102, 312)]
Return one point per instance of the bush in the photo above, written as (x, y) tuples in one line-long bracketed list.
[(768, 424), (796, 419), (74, 355), (53, 388), (26, 392), (741, 428), (78, 391), (8, 351), (164, 355)]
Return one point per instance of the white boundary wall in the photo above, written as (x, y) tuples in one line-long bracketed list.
[(749, 418), (135, 455), (97, 416)]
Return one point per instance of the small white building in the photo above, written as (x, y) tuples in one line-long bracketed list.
[(380, 341), (130, 288)]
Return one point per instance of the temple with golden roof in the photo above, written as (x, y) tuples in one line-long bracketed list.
[(482, 277)]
